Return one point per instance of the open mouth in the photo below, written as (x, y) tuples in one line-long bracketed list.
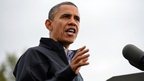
[(71, 30)]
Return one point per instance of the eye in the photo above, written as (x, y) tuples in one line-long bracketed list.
[(77, 18)]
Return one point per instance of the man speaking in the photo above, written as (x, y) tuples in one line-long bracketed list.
[(52, 60)]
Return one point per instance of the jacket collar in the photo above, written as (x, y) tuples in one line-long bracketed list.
[(54, 46)]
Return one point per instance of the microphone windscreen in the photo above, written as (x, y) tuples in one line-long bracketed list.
[(132, 53)]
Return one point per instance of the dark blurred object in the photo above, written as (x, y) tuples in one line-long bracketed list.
[(134, 55), (128, 77)]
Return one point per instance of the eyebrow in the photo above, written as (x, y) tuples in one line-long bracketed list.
[(68, 15), (65, 15)]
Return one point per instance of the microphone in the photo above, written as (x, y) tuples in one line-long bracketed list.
[(134, 55)]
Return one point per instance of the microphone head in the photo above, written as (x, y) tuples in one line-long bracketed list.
[(134, 55)]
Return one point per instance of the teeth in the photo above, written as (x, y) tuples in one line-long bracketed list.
[(71, 30)]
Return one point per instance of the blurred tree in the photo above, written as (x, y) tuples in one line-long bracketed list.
[(2, 69), (7, 67)]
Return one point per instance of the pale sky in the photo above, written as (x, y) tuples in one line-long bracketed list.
[(106, 27)]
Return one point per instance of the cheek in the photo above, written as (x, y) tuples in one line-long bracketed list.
[(58, 29), (78, 28)]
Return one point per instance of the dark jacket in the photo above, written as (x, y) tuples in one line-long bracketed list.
[(46, 62)]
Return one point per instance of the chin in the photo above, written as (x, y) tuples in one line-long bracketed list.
[(67, 42), (70, 42)]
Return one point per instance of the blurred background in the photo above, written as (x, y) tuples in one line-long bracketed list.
[(106, 27)]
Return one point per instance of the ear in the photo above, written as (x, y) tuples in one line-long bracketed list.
[(48, 24)]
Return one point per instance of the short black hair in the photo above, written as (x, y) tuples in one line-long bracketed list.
[(54, 9)]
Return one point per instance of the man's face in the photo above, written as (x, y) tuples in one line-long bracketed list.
[(65, 25)]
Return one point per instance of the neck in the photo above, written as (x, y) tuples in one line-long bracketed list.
[(65, 44)]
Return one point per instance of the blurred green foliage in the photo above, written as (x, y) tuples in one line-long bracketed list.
[(6, 67)]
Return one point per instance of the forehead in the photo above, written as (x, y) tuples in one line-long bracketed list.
[(67, 9)]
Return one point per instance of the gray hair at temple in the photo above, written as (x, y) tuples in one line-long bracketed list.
[(55, 8)]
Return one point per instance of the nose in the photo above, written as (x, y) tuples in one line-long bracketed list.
[(72, 22)]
